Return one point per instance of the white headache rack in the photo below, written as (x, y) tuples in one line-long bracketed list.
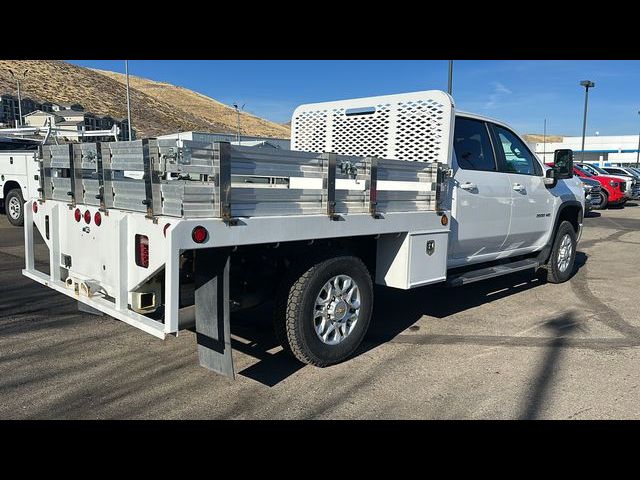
[(414, 126)]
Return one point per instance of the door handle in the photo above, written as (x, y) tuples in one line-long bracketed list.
[(468, 186), (518, 187)]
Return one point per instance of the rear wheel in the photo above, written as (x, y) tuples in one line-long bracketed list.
[(563, 255), (14, 206), (323, 314)]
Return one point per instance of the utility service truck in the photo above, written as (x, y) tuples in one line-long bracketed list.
[(398, 190), (19, 180)]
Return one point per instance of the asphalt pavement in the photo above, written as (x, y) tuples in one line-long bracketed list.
[(509, 348)]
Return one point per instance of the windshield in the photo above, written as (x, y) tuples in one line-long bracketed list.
[(595, 169), (582, 170)]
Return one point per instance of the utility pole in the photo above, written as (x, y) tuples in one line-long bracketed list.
[(19, 95), (450, 87), (544, 141), (126, 70), (235, 105), (587, 84)]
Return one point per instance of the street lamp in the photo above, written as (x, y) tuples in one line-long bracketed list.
[(450, 86), (235, 105), (126, 71), (24, 75), (587, 84)]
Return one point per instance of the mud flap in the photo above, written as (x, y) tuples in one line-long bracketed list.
[(212, 310)]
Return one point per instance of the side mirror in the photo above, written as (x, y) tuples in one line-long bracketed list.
[(550, 179), (563, 164)]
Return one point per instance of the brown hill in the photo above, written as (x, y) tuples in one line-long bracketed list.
[(202, 106), (537, 138), (61, 82)]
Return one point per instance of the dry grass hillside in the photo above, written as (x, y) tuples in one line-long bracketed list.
[(61, 82), (537, 138), (202, 106)]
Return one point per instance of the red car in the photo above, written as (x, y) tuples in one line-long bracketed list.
[(612, 192)]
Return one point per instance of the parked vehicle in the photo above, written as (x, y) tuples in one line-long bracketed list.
[(613, 187), (622, 171), (398, 190), (631, 187), (592, 193), (626, 171), (19, 180)]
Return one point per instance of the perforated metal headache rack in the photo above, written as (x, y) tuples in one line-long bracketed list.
[(188, 179)]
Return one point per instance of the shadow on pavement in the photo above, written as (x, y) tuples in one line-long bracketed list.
[(394, 312), (560, 328)]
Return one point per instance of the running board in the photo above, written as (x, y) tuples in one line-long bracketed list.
[(490, 272)]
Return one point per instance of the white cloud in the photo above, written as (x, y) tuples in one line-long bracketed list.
[(499, 92)]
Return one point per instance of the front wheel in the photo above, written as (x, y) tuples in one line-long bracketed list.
[(563, 255), (325, 312), (603, 204)]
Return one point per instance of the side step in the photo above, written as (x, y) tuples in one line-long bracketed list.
[(490, 272)]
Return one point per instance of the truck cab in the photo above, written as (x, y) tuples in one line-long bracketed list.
[(500, 204)]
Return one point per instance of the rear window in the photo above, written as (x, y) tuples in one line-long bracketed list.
[(472, 145)]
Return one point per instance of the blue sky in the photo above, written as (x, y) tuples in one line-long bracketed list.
[(519, 92)]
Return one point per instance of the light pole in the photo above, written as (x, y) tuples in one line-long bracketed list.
[(126, 71), (235, 105), (638, 152), (24, 75), (450, 86), (587, 84), (544, 141)]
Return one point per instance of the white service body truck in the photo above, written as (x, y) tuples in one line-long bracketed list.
[(397, 190), (19, 180)]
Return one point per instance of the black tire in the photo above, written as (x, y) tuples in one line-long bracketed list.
[(604, 202), (554, 274), (295, 307), (14, 207)]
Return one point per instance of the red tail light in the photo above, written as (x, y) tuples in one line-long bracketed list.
[(87, 216), (97, 219), (77, 214), (35, 207), (142, 251), (199, 234)]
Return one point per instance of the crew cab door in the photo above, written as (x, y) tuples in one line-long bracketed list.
[(481, 198), (532, 203)]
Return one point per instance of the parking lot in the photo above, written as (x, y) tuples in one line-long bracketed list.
[(500, 349)]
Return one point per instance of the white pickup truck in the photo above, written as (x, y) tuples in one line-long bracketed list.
[(398, 190), (19, 180)]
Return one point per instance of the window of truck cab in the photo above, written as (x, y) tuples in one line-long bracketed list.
[(514, 155), (472, 145)]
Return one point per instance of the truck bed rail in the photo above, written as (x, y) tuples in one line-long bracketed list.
[(187, 179)]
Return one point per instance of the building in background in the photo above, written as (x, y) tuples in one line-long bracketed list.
[(74, 123), (601, 150), (70, 117), (283, 143)]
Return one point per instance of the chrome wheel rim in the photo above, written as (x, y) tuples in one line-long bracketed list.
[(564, 253), (337, 309), (14, 208)]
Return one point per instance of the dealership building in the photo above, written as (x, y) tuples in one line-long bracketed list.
[(601, 150)]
